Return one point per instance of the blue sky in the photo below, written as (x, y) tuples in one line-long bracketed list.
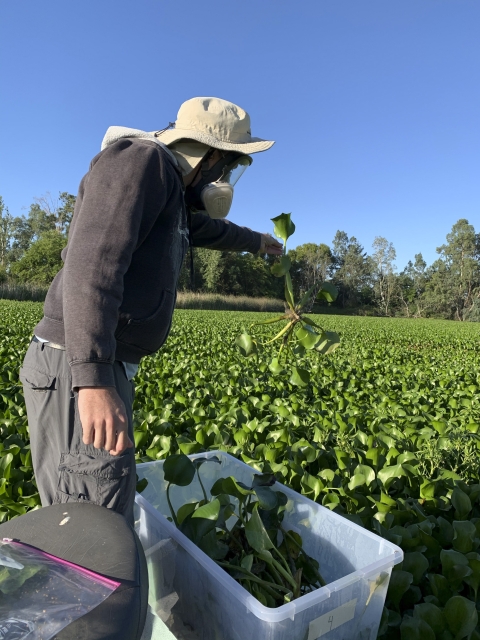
[(374, 104)]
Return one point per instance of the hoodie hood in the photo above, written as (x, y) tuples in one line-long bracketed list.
[(117, 133)]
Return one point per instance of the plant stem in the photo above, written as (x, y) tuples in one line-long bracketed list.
[(284, 562), (201, 484), (285, 533), (268, 589), (251, 576), (286, 574), (274, 573), (174, 516)]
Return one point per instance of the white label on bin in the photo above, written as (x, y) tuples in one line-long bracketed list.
[(332, 620)]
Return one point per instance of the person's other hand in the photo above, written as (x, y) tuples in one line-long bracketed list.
[(104, 419), (270, 245)]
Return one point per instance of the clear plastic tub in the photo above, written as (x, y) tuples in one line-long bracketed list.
[(210, 605)]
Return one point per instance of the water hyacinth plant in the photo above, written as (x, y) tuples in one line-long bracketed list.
[(299, 332), (240, 528)]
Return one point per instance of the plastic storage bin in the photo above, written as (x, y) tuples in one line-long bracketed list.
[(210, 605)]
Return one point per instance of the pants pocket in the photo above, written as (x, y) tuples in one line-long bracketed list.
[(100, 479)]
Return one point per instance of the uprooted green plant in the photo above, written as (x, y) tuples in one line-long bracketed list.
[(241, 528), (300, 333)]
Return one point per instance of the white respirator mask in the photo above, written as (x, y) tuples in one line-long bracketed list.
[(213, 193)]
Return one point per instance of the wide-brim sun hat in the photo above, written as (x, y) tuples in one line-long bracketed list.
[(216, 123)]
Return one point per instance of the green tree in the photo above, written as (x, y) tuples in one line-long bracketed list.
[(6, 234), (310, 265), (42, 260), (411, 287), (454, 283), (383, 257), (352, 271), (210, 266), (65, 212), (22, 237)]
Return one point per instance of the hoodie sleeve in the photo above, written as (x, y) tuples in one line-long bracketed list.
[(102, 238), (223, 235)]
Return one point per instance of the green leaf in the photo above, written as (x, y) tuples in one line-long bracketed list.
[(310, 484), (231, 487), (141, 485), (140, 438), (246, 344), (299, 377), (446, 532), (431, 614), (256, 533), (465, 534), (387, 475), (283, 226), (461, 503), (473, 580), (186, 510), (328, 291), (400, 582), (416, 629), (330, 342), (367, 472), (307, 337), (275, 367), (210, 511), (5, 466), (247, 562), (267, 499), (197, 528), (213, 547), (178, 469), (415, 563), (197, 463), (461, 616), (357, 480), (12, 579), (282, 267), (263, 480), (440, 587), (454, 566)]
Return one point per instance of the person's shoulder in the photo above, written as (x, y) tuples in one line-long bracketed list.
[(135, 150)]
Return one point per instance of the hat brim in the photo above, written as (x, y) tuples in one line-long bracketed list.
[(254, 146)]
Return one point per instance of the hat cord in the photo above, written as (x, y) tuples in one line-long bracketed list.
[(171, 125)]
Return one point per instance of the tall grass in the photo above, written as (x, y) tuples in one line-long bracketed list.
[(216, 302), (185, 300), (23, 292)]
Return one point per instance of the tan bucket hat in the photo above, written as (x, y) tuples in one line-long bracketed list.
[(216, 123)]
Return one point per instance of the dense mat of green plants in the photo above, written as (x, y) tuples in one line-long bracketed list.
[(386, 434)]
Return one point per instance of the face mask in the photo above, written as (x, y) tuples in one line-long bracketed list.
[(213, 193)]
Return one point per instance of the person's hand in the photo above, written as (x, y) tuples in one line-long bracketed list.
[(104, 419), (270, 245)]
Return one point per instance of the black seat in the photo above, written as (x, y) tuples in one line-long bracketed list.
[(100, 540)]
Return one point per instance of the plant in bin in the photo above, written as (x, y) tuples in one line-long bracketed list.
[(241, 528)]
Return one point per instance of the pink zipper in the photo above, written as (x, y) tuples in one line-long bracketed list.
[(91, 574)]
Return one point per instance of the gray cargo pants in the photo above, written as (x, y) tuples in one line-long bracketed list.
[(66, 469)]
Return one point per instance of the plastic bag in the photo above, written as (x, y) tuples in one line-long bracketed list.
[(41, 594)]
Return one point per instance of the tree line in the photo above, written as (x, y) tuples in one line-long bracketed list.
[(30, 248)]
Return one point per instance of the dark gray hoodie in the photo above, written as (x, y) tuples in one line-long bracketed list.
[(114, 298)]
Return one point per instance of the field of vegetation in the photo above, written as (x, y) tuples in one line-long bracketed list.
[(386, 433)]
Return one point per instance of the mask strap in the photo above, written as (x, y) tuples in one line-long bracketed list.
[(206, 158)]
